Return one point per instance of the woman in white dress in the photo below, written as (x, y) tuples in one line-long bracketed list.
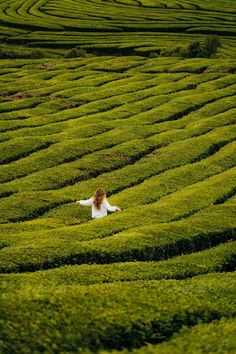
[(99, 204)]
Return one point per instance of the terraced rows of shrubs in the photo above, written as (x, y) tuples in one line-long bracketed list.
[(159, 135), (147, 27), (132, 316)]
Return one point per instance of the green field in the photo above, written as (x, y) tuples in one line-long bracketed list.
[(115, 26), (158, 133)]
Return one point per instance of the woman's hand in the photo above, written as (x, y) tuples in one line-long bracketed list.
[(77, 201), (119, 209)]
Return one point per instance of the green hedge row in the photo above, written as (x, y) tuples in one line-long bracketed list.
[(165, 109), (118, 156), (217, 259), (174, 155), (132, 191), (93, 107), (121, 16), (21, 147), (112, 316), (88, 243), (83, 108), (141, 193), (216, 337), (84, 128), (72, 149)]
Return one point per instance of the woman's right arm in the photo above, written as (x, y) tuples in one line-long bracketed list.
[(111, 207), (85, 202)]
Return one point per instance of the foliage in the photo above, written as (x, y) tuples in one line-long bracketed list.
[(158, 134), (12, 54), (195, 49), (126, 28), (76, 53), (217, 337), (37, 54), (111, 316)]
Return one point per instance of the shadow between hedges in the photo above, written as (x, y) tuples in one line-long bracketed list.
[(157, 331)]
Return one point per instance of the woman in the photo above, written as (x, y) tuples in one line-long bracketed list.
[(99, 203)]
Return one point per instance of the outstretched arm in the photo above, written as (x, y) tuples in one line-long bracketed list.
[(85, 202), (111, 207)]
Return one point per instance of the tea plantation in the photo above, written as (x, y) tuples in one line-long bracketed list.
[(156, 129)]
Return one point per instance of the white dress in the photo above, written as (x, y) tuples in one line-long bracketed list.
[(98, 213)]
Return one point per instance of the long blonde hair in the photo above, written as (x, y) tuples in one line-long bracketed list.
[(99, 197)]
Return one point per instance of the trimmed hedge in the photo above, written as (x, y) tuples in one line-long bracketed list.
[(112, 316), (35, 251), (159, 135), (174, 155), (217, 259), (119, 28), (216, 337)]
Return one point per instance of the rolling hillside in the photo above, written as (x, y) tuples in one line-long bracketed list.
[(158, 133), (115, 26)]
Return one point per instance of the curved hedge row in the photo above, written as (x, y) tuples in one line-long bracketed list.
[(218, 336), (114, 315), (159, 135), (116, 27), (217, 259)]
